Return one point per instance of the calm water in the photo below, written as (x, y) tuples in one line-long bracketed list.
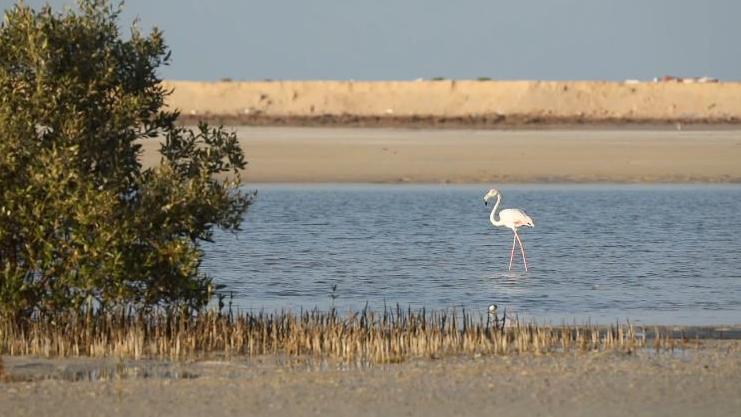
[(656, 254)]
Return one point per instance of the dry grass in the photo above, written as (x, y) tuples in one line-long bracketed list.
[(365, 337)]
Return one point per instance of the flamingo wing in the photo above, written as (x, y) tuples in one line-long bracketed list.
[(515, 218)]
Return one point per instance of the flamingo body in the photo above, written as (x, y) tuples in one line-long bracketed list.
[(514, 218), (509, 218)]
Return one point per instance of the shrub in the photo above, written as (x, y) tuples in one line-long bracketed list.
[(82, 223)]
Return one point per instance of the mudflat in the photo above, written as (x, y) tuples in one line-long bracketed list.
[(696, 381), (282, 154)]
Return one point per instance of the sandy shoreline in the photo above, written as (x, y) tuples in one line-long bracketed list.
[(463, 101), (704, 381), (468, 131), (310, 155)]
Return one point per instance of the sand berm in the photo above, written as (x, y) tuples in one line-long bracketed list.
[(459, 102), (492, 131)]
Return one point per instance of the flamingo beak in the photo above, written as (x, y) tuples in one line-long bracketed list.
[(485, 202)]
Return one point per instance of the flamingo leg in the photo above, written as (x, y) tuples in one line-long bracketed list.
[(512, 253), (522, 249)]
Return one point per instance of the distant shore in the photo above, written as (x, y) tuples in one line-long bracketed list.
[(458, 103), (346, 155), (492, 121), (465, 131)]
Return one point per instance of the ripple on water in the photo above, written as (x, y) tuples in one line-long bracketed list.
[(598, 252)]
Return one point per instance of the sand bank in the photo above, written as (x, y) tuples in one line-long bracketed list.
[(684, 383), (486, 156), (456, 103)]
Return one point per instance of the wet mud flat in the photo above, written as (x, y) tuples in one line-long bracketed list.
[(701, 380), (377, 155)]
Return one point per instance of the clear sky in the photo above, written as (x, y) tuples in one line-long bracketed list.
[(460, 39)]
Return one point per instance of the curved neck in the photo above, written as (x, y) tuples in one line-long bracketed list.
[(493, 216)]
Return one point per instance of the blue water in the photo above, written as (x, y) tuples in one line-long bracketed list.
[(653, 254)]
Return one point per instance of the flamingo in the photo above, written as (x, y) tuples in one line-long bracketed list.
[(511, 218)]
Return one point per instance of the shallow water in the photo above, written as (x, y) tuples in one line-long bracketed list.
[(647, 253)]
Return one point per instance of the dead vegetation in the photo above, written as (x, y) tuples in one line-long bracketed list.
[(393, 335), (477, 121)]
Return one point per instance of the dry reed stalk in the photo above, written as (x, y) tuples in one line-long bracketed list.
[(364, 337)]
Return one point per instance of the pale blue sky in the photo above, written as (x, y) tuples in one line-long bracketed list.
[(408, 39)]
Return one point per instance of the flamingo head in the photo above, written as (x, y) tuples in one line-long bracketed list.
[(491, 194)]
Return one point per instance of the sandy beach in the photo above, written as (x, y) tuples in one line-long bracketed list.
[(705, 381), (282, 154), (460, 101), (461, 131)]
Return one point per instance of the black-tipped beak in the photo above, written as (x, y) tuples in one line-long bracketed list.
[(485, 202)]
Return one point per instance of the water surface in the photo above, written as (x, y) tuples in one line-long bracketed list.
[(647, 253)]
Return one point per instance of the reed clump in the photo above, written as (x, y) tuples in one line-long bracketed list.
[(392, 335)]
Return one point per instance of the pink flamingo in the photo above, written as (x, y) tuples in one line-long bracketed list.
[(512, 218)]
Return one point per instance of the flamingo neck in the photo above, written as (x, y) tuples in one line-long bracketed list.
[(493, 216)]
